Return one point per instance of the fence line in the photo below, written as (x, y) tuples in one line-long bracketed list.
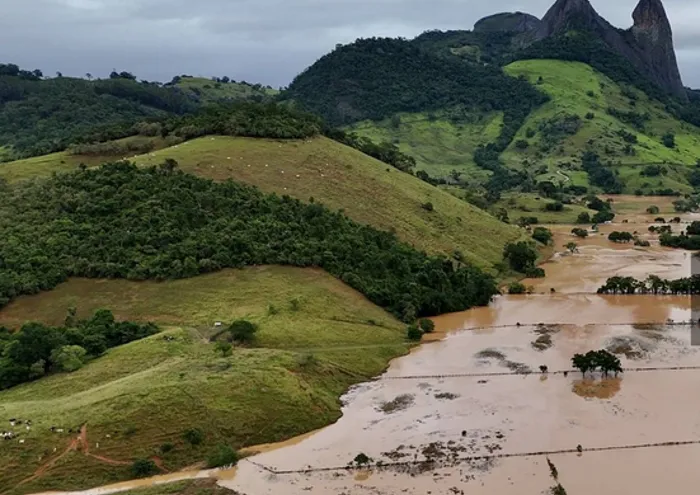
[(486, 457), (521, 373)]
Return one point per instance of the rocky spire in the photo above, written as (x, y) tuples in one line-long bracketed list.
[(650, 14), (570, 14), (648, 44), (654, 38)]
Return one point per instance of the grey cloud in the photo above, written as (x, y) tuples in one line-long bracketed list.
[(268, 41)]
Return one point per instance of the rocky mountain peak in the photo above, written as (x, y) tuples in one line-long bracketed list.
[(650, 14), (653, 39), (516, 22), (648, 44)]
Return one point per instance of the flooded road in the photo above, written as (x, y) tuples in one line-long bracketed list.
[(473, 414)]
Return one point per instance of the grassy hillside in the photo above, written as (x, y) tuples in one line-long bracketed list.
[(560, 130), (340, 177), (209, 91), (316, 338), (66, 161), (438, 144), (367, 190)]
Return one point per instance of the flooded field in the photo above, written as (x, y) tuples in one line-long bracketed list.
[(474, 414)]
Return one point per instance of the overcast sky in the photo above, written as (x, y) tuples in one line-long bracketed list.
[(267, 41)]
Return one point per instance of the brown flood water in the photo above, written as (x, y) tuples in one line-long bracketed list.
[(479, 393)]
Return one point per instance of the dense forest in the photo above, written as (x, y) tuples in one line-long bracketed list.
[(120, 221), (379, 77), (249, 119), (36, 349), (39, 116)]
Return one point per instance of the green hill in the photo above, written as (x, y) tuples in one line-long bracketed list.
[(316, 337), (39, 116), (368, 191), (212, 91), (589, 111), (439, 141)]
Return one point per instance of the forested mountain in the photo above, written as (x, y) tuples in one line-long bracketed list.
[(460, 105), (39, 115)]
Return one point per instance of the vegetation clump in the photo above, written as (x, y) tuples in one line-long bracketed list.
[(620, 237), (516, 288), (592, 360), (36, 350), (580, 233), (223, 455)]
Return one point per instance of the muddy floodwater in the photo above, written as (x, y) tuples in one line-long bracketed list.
[(473, 413)]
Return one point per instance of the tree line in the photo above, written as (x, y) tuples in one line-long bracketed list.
[(36, 350), (651, 285), (119, 221)]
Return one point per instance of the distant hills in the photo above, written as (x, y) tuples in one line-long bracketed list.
[(457, 103), (471, 108)]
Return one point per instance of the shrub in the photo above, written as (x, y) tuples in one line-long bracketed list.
[(584, 217), (166, 447), (426, 325), (590, 116), (224, 348), (143, 467), (520, 256), (522, 144), (581, 233), (669, 140), (243, 331), (516, 288), (193, 436), (653, 210), (535, 272), (414, 333), (224, 455), (556, 206), (428, 206), (542, 235)]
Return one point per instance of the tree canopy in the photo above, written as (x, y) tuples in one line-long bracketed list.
[(120, 221), (36, 349)]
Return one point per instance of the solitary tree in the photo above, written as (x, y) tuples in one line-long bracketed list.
[(243, 331), (572, 247)]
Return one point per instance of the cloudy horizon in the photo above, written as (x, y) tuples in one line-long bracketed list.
[(265, 41)]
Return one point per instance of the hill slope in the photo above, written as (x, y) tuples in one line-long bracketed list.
[(211, 91), (148, 393), (367, 190), (588, 111), (39, 116), (438, 141)]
